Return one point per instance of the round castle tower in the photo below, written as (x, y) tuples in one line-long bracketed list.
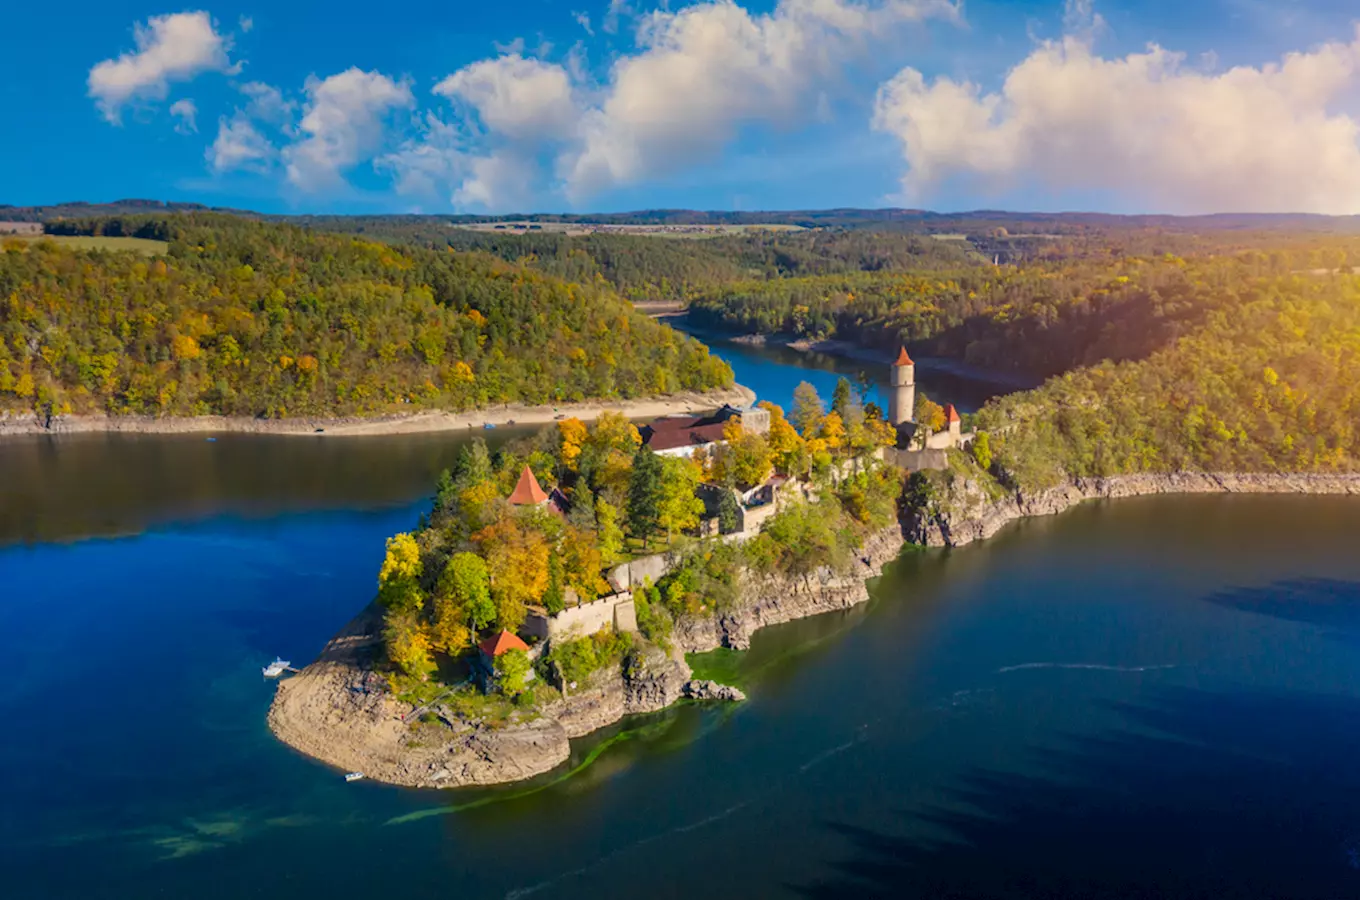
[(902, 405)]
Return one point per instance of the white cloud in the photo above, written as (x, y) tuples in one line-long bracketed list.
[(247, 24), (583, 19), (267, 104), (187, 113), (516, 97), (428, 164), (169, 48), (239, 145), (708, 69), (1145, 126), (344, 123)]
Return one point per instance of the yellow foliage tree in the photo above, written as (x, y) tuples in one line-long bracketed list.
[(399, 577), (518, 560), (572, 434)]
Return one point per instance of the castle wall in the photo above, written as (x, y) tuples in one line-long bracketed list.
[(617, 611)]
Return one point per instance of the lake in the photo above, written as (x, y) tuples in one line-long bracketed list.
[(1147, 698)]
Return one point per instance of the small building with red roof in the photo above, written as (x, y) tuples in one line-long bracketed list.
[(504, 642), (528, 492)]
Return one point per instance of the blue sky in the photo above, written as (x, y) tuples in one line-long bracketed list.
[(1120, 105)]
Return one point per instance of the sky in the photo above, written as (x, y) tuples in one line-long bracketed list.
[(300, 106)]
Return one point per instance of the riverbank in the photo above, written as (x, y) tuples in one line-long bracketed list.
[(355, 426), (967, 513), (335, 712)]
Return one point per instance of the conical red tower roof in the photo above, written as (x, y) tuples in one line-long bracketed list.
[(527, 492), (903, 359), (950, 413), (497, 644)]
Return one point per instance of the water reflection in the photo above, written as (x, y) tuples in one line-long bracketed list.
[(67, 487)]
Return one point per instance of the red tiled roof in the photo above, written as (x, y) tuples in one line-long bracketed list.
[(669, 440), (527, 492), (501, 643), (950, 413), (675, 423), (903, 359)]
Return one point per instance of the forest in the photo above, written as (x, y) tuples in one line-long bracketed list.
[(246, 318)]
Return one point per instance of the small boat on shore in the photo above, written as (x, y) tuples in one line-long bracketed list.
[(488, 426), (354, 776), (276, 668)]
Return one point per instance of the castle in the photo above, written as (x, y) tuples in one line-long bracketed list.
[(902, 412)]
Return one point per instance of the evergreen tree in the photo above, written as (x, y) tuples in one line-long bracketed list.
[(645, 495)]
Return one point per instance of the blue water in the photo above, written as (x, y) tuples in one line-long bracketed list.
[(1147, 698)]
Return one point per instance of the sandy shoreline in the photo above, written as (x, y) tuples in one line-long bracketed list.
[(415, 423)]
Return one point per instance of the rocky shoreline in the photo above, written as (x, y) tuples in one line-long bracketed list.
[(968, 514), (15, 424), (333, 711)]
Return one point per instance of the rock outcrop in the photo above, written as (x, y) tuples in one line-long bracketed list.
[(711, 690), (969, 513), (776, 599)]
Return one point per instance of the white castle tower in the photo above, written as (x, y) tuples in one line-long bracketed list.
[(902, 406)]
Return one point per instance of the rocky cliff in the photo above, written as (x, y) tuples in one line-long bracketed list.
[(775, 599), (968, 511)]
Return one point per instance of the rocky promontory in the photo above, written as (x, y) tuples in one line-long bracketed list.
[(340, 711), (969, 510)]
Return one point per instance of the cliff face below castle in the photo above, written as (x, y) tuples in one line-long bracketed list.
[(967, 512), (771, 600)]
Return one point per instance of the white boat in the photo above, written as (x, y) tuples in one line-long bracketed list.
[(276, 668), (354, 776)]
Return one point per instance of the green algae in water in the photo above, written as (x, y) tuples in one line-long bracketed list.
[(654, 729)]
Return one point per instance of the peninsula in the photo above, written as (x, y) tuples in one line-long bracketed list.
[(609, 551)]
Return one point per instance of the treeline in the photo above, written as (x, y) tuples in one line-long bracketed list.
[(247, 318)]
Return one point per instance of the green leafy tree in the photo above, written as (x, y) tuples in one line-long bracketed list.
[(465, 586), (982, 449), (512, 670), (609, 534)]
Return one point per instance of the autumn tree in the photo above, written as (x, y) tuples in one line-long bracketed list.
[(808, 410), (408, 643), (399, 578), (462, 604), (929, 414), (744, 458), (679, 509), (517, 557), (572, 435)]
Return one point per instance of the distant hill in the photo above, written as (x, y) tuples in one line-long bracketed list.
[(82, 210), (264, 319), (886, 219)]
